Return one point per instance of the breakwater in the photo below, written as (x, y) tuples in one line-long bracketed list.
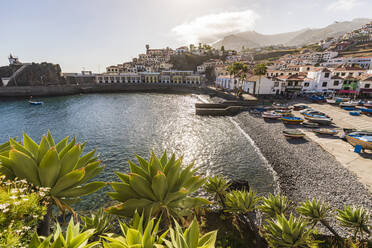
[(61, 90)]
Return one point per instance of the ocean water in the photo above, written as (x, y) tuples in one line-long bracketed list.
[(122, 125)]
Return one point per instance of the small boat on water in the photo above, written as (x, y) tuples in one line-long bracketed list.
[(35, 103), (293, 134), (291, 120), (271, 115), (325, 131), (364, 139), (349, 104), (310, 124)]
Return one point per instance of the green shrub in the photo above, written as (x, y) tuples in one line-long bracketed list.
[(217, 186), (157, 186), (20, 211), (275, 205)]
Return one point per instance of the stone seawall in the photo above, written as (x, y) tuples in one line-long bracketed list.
[(59, 90)]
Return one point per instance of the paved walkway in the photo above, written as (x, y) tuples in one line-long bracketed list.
[(361, 164)]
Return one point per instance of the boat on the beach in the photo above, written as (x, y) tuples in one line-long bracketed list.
[(354, 113), (322, 120), (306, 110), (316, 98), (299, 107), (332, 101), (368, 104), (293, 134), (271, 115), (362, 138), (291, 120), (310, 124), (325, 131), (366, 111), (349, 104), (314, 113), (35, 103), (284, 112)]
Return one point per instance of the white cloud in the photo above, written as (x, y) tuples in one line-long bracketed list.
[(344, 4), (212, 27)]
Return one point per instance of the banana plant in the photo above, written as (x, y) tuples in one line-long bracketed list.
[(60, 168), (157, 186), (218, 186), (316, 211), (100, 221), (275, 205), (72, 239), (190, 238), (288, 233), (140, 234), (354, 218)]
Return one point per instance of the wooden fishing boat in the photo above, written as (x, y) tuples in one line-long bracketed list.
[(322, 120), (364, 139), (354, 113), (332, 101), (314, 113), (306, 110), (325, 131), (349, 104), (271, 115), (366, 111), (310, 124), (35, 103), (299, 107), (368, 104), (291, 120), (293, 134)]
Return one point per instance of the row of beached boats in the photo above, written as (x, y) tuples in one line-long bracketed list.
[(347, 104), (313, 119)]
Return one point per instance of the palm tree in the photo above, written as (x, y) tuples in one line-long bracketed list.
[(259, 70), (235, 69)]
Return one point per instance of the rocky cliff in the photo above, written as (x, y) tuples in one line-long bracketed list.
[(34, 74)]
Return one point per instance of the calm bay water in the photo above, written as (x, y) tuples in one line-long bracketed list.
[(122, 125)]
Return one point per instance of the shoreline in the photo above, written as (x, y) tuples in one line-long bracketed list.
[(305, 170)]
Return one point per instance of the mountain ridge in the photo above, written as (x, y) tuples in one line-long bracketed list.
[(253, 39)]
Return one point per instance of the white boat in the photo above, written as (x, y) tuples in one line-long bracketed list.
[(331, 101), (271, 115), (349, 104)]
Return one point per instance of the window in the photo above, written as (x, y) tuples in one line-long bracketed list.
[(324, 84), (326, 75), (307, 84), (290, 83), (335, 83), (337, 74), (343, 73), (367, 86), (360, 74), (350, 74)]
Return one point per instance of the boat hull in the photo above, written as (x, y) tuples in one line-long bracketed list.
[(354, 141)]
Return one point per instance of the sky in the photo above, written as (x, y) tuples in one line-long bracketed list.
[(93, 34)]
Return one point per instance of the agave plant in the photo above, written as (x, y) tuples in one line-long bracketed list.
[(190, 238), (72, 239), (275, 205), (217, 185), (241, 201), (283, 232), (355, 218), (316, 211), (157, 186), (100, 221), (140, 234), (60, 168)]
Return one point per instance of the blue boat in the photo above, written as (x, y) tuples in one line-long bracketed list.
[(366, 111), (349, 108), (35, 103), (364, 139), (354, 113)]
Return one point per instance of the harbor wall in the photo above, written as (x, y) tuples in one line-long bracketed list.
[(60, 90)]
